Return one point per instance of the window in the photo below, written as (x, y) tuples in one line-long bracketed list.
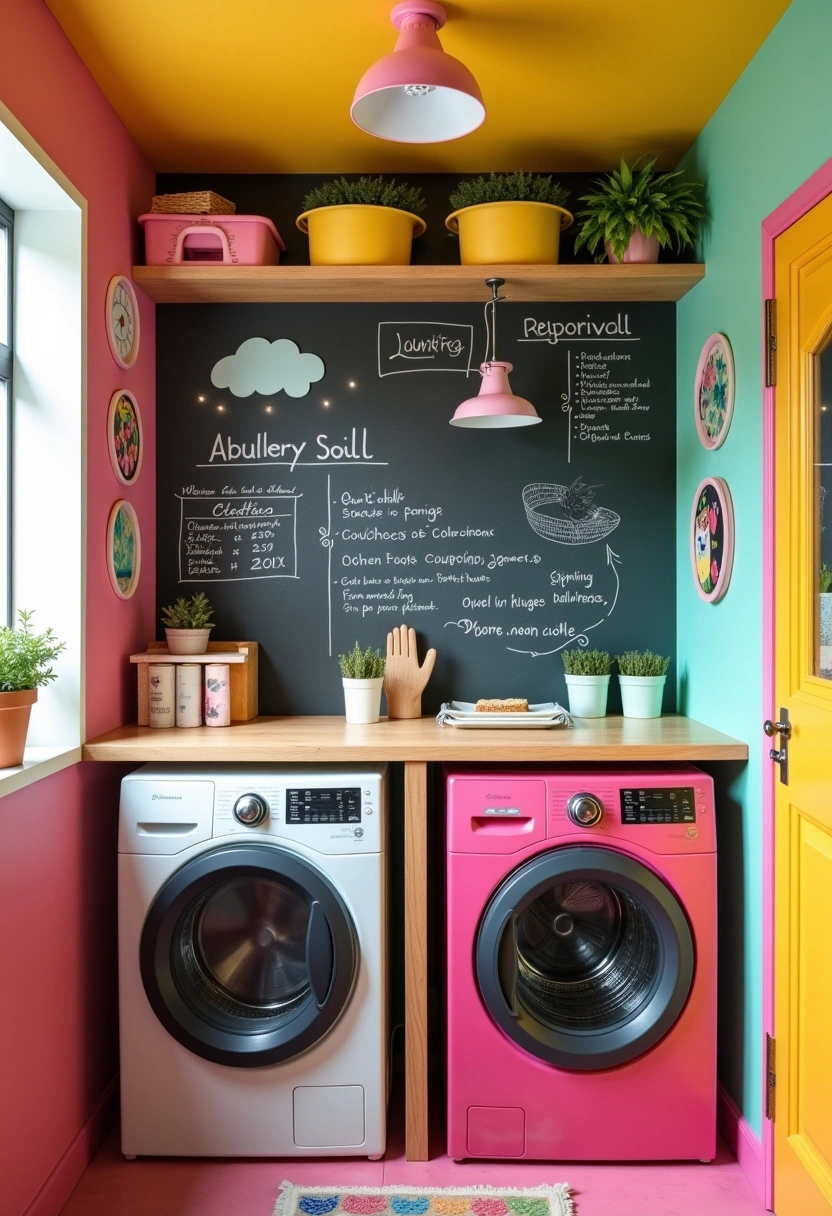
[(6, 355)]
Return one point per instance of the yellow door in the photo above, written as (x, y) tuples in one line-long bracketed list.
[(803, 683)]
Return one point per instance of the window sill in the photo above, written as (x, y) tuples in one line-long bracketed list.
[(38, 762)]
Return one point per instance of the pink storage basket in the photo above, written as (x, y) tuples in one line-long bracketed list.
[(228, 240)]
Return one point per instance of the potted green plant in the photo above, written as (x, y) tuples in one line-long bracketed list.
[(642, 675), (509, 218), (188, 624), (25, 666), (362, 673), (587, 681), (365, 222), (825, 585), (635, 212)]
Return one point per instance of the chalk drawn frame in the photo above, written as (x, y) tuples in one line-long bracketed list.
[(404, 371), (711, 443), (726, 506), (111, 413), (122, 504)]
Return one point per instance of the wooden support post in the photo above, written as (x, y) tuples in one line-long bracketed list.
[(416, 959)]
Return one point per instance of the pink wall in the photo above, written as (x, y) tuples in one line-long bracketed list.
[(57, 837)]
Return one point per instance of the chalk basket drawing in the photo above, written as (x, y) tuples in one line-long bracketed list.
[(567, 515), (124, 549), (260, 366), (712, 539), (713, 392), (124, 436)]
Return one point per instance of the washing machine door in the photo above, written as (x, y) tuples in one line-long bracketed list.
[(584, 957), (248, 955)]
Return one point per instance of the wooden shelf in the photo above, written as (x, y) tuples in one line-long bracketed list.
[(326, 740), (412, 284)]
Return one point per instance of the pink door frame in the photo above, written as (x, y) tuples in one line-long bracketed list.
[(812, 192)]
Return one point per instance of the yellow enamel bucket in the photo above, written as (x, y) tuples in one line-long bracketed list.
[(357, 234), (509, 232)]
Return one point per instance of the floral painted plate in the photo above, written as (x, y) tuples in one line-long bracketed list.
[(125, 441), (712, 539), (713, 392)]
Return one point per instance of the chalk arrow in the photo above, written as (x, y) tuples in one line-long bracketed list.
[(615, 561)]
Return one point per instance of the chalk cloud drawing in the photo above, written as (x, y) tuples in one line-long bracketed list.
[(264, 367), (567, 515)]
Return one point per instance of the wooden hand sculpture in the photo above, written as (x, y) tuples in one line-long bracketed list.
[(404, 679)]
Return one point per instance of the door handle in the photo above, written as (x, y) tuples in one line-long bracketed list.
[(780, 755), (507, 963)]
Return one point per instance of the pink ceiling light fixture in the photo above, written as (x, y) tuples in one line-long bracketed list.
[(495, 405), (418, 94)]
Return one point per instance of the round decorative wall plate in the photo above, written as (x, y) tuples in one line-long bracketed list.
[(712, 539), (713, 391), (125, 442), (122, 320), (124, 549)]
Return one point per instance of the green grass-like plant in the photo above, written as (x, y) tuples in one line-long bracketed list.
[(586, 662), (825, 579), (655, 203), (25, 656), (642, 663), (360, 664), (194, 613), (372, 191), (516, 187)]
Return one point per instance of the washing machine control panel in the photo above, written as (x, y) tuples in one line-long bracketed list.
[(331, 805), (658, 805)]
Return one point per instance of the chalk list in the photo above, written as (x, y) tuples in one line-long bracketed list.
[(332, 518)]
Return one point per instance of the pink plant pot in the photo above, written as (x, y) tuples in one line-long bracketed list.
[(640, 249)]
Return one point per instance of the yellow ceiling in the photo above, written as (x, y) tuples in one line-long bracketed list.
[(264, 86)]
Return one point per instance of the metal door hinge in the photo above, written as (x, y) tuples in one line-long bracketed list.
[(780, 755), (771, 345), (771, 1077)]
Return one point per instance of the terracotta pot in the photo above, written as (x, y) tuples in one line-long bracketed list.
[(15, 708), (640, 249), (188, 641)]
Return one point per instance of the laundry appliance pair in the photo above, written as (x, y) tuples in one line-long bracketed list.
[(253, 961), (581, 965)]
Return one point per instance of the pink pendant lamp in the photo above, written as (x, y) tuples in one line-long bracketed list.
[(495, 405), (418, 94)]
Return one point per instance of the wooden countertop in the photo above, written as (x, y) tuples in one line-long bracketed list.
[(331, 740)]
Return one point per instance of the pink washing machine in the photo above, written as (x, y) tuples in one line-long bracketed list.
[(581, 965)]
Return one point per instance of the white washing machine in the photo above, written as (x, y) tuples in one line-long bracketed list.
[(253, 961)]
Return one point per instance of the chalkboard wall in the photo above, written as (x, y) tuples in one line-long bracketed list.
[(316, 520)]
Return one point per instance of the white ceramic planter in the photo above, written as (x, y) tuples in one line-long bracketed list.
[(188, 641), (588, 695), (641, 696), (362, 700)]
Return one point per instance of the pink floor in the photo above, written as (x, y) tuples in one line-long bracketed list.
[(161, 1187)]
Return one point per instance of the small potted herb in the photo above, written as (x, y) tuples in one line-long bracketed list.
[(642, 675), (633, 214), (587, 681), (509, 218), (188, 624), (365, 222), (362, 674), (25, 666), (825, 584)]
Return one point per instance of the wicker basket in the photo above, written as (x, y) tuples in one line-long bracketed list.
[(565, 531), (196, 202)]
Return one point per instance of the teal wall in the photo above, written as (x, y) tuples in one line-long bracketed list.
[(771, 132)]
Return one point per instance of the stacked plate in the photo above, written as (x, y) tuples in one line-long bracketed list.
[(537, 717)]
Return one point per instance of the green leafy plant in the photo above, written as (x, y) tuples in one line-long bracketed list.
[(360, 664), (372, 191), (586, 662), (516, 187), (642, 663), (578, 501), (194, 613), (654, 203), (25, 656), (825, 579)]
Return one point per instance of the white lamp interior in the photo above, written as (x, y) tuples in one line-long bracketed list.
[(421, 118)]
